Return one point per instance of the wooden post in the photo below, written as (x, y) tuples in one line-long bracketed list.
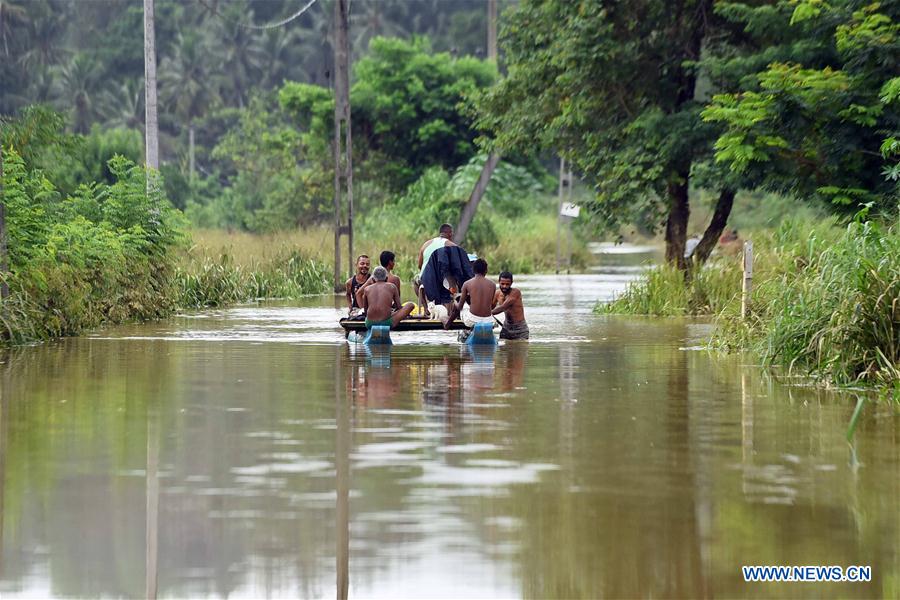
[(562, 184), (747, 287), (343, 150), (151, 125), (4, 264)]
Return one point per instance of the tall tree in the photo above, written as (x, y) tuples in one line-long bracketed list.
[(613, 86), (818, 115), (79, 88), (185, 85)]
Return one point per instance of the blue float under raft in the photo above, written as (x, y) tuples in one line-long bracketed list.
[(381, 334), (405, 325)]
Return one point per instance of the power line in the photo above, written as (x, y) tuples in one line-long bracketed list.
[(216, 12)]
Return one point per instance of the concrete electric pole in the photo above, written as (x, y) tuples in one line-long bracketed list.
[(343, 149)]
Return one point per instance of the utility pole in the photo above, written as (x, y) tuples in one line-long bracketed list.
[(492, 31), (151, 125), (343, 149)]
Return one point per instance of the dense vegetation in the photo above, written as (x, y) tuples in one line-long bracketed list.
[(660, 106), (651, 99)]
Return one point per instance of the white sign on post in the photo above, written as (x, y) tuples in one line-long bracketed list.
[(570, 210)]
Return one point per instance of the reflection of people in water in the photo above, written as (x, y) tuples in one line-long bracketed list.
[(511, 360)]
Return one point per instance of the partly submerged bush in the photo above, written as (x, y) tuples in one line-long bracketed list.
[(104, 254), (667, 292), (830, 307), (825, 302), (209, 282)]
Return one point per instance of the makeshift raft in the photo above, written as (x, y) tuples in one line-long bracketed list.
[(356, 331), (406, 325)]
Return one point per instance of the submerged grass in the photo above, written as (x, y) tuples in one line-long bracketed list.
[(825, 304)]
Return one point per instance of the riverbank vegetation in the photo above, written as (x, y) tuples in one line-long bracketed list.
[(824, 303)]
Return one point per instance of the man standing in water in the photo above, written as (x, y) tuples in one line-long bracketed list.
[(509, 300), (354, 283), (479, 291), (380, 299)]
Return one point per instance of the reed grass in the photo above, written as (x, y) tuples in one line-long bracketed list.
[(825, 304)]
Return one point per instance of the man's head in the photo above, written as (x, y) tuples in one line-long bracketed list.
[(380, 274), (446, 231), (480, 266), (506, 280), (387, 260), (362, 264)]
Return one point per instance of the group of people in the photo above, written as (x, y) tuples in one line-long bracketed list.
[(375, 297)]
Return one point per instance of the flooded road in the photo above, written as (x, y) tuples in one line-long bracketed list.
[(251, 452)]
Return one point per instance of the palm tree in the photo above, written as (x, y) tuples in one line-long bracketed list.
[(184, 83), (79, 87), (13, 15), (367, 20), (240, 53), (316, 45), (46, 33), (279, 54), (123, 106)]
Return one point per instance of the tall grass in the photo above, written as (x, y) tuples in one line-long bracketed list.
[(830, 307), (667, 292), (825, 304)]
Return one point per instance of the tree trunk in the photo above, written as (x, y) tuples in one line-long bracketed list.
[(676, 224), (468, 212), (714, 230), (151, 126), (191, 149)]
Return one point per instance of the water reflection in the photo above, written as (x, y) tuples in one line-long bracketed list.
[(615, 466)]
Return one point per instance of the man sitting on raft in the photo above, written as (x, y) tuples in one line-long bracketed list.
[(380, 299), (509, 300), (479, 291), (354, 283)]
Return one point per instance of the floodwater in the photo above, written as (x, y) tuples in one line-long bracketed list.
[(251, 452)]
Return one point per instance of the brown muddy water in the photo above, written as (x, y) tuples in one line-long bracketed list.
[(251, 452)]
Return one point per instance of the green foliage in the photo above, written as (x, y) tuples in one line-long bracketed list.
[(662, 292), (406, 113), (105, 253), (811, 115), (220, 282), (572, 89), (272, 186), (828, 308)]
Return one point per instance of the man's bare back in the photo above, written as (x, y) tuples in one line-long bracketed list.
[(479, 291), (380, 300)]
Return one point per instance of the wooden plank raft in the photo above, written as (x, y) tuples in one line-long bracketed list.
[(406, 325)]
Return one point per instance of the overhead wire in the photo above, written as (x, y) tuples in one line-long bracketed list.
[(216, 12)]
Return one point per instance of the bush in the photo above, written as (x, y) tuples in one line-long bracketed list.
[(104, 254)]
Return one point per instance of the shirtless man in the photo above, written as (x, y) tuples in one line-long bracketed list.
[(445, 238), (382, 301), (479, 291), (354, 283), (509, 300)]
